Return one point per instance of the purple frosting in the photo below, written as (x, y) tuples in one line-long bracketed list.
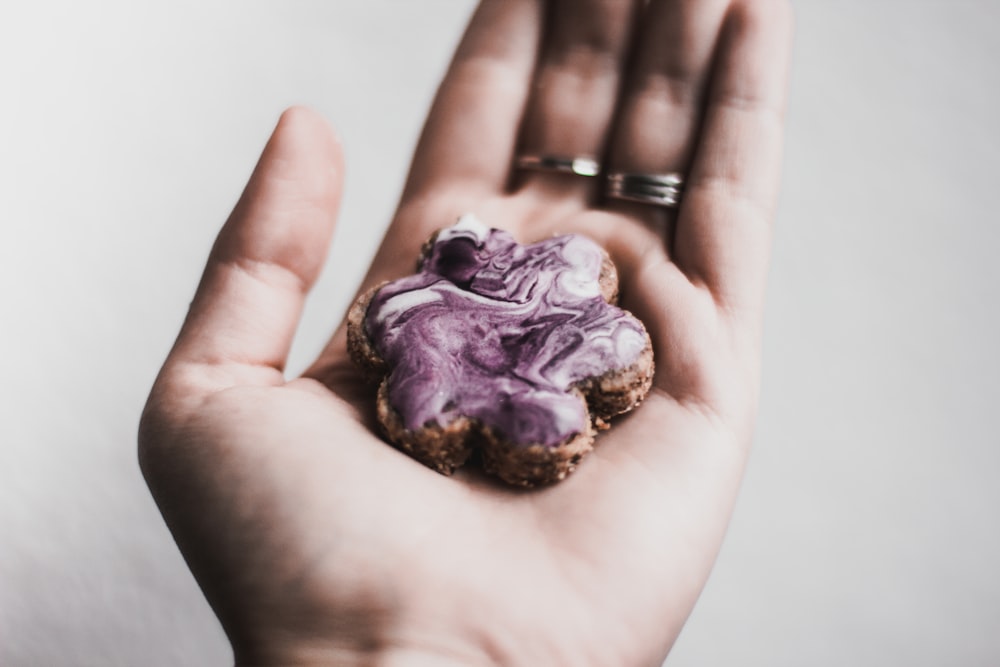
[(500, 332)]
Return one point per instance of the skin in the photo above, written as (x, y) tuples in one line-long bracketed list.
[(316, 542)]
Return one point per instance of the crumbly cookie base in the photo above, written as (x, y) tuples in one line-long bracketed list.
[(446, 448), (620, 391), (442, 448), (534, 465), (359, 346)]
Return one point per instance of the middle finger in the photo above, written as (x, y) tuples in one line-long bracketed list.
[(575, 90)]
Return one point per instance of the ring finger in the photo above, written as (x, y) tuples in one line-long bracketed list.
[(662, 102)]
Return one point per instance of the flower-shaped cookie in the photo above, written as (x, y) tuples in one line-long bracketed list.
[(515, 351)]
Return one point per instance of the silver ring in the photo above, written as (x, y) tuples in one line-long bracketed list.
[(581, 166), (656, 189)]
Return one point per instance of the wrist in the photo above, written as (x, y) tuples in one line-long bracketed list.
[(325, 653)]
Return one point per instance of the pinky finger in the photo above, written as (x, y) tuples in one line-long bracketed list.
[(724, 230)]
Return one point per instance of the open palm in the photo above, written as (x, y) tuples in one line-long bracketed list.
[(315, 541)]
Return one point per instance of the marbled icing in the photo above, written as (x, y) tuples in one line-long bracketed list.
[(500, 332)]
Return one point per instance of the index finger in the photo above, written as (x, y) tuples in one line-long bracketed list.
[(471, 131)]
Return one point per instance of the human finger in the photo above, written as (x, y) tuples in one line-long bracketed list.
[(268, 254), (663, 97), (470, 132), (575, 91), (723, 233), (465, 151)]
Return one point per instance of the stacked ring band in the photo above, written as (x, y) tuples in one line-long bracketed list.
[(657, 189), (581, 166), (645, 188)]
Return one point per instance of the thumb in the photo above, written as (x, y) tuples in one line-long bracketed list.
[(265, 260)]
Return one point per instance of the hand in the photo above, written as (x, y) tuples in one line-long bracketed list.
[(314, 540)]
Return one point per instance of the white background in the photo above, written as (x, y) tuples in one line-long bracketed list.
[(868, 529)]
